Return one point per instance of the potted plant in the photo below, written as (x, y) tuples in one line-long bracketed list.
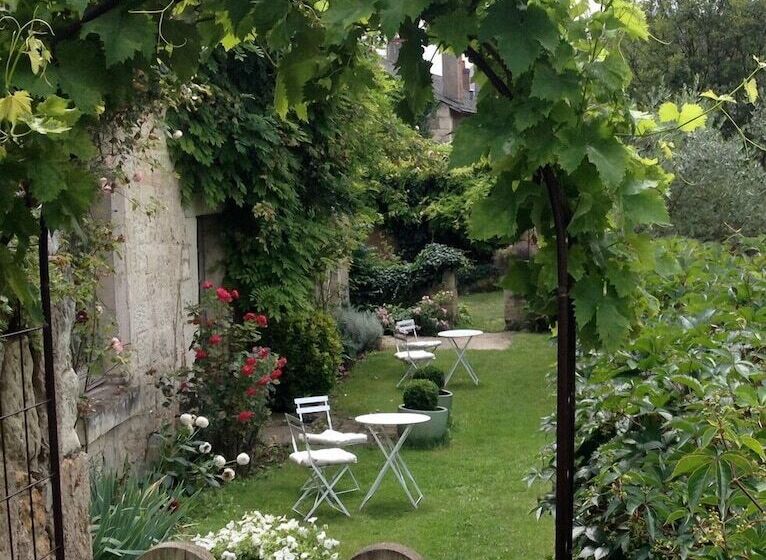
[(421, 397), (433, 373)]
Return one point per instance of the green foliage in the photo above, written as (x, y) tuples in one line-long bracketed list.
[(65, 64), (131, 515), (313, 348), (670, 434), (376, 281), (718, 190), (360, 330), (700, 42), (283, 186), (420, 394), (431, 373)]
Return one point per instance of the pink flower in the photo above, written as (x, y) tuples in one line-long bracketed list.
[(250, 360), (263, 352), (262, 321), (264, 380), (116, 345), (234, 294), (251, 391), (207, 284), (281, 362), (250, 316), (200, 354), (216, 339), (276, 374), (245, 416), (247, 370), (224, 295)]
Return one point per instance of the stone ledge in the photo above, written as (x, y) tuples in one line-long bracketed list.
[(112, 404)]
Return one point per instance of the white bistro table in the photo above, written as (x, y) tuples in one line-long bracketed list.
[(453, 336), (377, 423)]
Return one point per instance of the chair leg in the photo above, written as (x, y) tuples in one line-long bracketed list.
[(324, 491), (408, 373)]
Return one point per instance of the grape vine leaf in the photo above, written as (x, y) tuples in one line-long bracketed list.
[(751, 89), (454, 28), (414, 70), (81, 73), (15, 106), (123, 34), (394, 13), (612, 325)]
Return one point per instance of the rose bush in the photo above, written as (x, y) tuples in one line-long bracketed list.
[(233, 377), (266, 537)]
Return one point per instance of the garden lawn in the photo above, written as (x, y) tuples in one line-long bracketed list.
[(476, 505), (486, 310)]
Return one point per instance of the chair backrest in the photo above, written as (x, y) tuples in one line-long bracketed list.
[(407, 327), (297, 432), (313, 405)]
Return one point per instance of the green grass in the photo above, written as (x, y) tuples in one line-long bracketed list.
[(476, 504), (486, 310)]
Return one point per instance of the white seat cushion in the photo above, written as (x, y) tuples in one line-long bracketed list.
[(323, 457), (423, 344), (414, 356), (336, 439)]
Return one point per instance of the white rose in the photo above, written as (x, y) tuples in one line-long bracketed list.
[(205, 448), (219, 461), (186, 419), (228, 555), (202, 422), (176, 135), (228, 474), (243, 459)]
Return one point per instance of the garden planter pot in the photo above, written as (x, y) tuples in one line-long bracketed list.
[(434, 429), (445, 399)]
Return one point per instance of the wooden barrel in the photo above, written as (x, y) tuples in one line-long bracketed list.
[(387, 551), (177, 551)]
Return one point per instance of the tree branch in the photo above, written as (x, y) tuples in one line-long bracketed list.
[(478, 59)]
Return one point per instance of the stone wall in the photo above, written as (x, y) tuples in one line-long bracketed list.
[(155, 279)]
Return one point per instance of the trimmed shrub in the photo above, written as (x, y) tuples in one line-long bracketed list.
[(420, 394), (359, 330), (312, 345), (431, 373)]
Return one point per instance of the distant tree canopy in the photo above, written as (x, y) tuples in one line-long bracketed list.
[(712, 41)]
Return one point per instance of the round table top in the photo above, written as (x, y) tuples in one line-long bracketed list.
[(460, 333), (392, 418)]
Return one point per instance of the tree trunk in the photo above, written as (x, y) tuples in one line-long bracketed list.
[(565, 387)]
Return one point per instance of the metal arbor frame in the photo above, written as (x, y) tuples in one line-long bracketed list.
[(29, 403)]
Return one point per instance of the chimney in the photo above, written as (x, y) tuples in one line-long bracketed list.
[(392, 51), (453, 77)]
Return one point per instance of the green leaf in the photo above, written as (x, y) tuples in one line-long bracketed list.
[(691, 462), (668, 112), (692, 117), (612, 325), (587, 293), (414, 70), (520, 33), (646, 208), (394, 12), (754, 445), (15, 107), (81, 74), (751, 89), (553, 86), (698, 481), (610, 158), (632, 17), (342, 14), (454, 29), (123, 35)]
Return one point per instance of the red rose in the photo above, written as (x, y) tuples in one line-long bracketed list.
[(263, 353), (247, 370), (250, 316), (216, 339), (245, 416), (223, 294), (200, 354), (276, 374), (183, 387), (262, 321), (207, 284), (174, 505), (281, 362), (234, 294), (251, 391), (250, 360), (265, 380)]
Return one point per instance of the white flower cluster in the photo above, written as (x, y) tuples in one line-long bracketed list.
[(193, 423), (267, 537)]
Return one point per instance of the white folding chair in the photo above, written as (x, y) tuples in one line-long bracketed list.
[(329, 437), (321, 482), (412, 357), (408, 328)]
